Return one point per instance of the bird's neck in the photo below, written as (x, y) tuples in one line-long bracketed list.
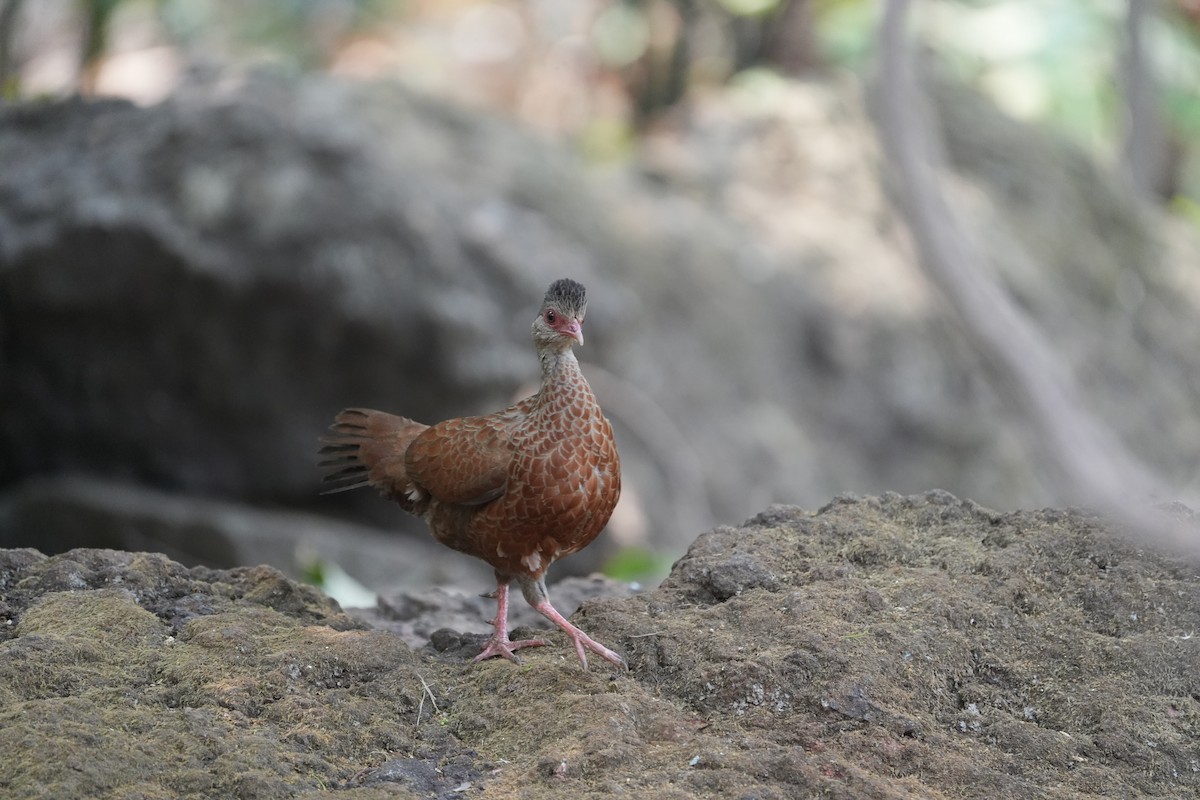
[(561, 375), (558, 364)]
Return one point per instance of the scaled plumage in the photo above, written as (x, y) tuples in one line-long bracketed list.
[(519, 488)]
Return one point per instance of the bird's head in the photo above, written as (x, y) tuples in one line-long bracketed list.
[(559, 323)]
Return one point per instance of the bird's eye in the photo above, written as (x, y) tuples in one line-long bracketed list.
[(551, 316)]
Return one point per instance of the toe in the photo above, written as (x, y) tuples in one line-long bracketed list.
[(585, 641), (505, 647)]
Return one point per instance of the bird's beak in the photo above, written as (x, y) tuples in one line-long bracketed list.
[(574, 329)]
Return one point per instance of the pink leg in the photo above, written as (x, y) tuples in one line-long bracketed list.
[(500, 644), (535, 595)]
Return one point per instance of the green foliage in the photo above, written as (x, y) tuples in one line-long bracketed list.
[(844, 29), (302, 34), (313, 573), (620, 35), (1052, 61), (749, 8), (638, 564), (334, 581)]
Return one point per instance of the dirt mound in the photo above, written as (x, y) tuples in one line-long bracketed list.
[(881, 647)]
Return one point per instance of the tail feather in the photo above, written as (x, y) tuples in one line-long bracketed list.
[(366, 448), (338, 455), (356, 476)]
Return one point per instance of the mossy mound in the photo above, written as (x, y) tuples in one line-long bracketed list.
[(891, 647)]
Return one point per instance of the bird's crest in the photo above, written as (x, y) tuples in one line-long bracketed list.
[(568, 296)]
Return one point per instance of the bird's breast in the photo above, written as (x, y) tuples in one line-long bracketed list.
[(563, 478)]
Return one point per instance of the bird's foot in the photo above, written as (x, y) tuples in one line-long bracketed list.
[(503, 646), (583, 643), (581, 640)]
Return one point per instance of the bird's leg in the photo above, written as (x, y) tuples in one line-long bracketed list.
[(500, 644), (536, 595)]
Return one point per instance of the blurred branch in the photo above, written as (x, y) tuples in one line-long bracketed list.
[(1088, 459), (1145, 154), (791, 40), (97, 16), (661, 77), (8, 32), (781, 36)]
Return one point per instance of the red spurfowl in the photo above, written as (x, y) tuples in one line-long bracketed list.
[(519, 488)]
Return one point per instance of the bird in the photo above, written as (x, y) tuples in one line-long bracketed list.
[(519, 488)]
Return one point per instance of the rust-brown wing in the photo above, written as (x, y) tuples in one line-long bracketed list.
[(462, 461)]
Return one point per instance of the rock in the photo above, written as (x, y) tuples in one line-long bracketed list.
[(425, 778), (77, 511), (163, 587), (886, 388), (204, 283), (930, 640), (190, 291), (417, 615), (903, 646)]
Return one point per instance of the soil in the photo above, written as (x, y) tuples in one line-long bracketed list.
[(889, 647)]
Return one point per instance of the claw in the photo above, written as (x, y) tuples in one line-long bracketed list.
[(505, 647), (582, 640)]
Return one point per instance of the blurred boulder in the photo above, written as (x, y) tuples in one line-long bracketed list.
[(190, 291), (77, 512)]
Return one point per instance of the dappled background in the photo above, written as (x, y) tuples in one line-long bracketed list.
[(975, 269)]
